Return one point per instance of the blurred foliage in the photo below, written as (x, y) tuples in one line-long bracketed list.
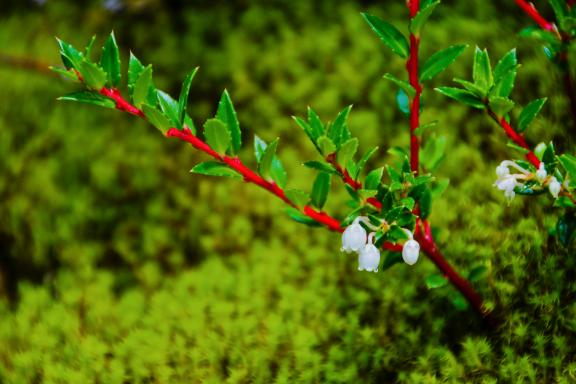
[(117, 266)]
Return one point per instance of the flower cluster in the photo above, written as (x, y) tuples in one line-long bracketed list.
[(508, 182), (356, 239)]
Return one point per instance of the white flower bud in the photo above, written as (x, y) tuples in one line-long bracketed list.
[(369, 257), (410, 252), (554, 187), (502, 170), (541, 172), (353, 238)]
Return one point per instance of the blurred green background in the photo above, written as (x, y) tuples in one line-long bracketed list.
[(118, 266)]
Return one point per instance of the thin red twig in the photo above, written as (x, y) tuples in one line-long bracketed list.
[(412, 68), (531, 11)]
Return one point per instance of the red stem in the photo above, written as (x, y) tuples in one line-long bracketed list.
[(531, 11), (412, 68)]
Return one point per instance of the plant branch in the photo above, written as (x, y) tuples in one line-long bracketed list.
[(533, 13), (412, 68)]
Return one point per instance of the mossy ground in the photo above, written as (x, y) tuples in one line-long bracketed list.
[(118, 266)]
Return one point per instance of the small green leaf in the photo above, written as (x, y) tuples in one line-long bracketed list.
[(477, 273), (94, 77), (500, 105), (89, 46), (459, 302), (89, 98), (391, 259), (507, 63), (422, 128), (227, 115), (110, 61), (504, 85), (436, 281), (320, 190), (278, 173), (439, 61), (482, 72), (307, 129), (327, 146), (265, 165), (259, 148), (347, 151), (67, 73), (189, 123), (472, 88), (321, 166), (433, 152), (215, 168), (169, 107), (71, 57), (462, 96), (298, 197), (338, 131), (529, 113), (142, 86), (299, 217), (418, 21), (374, 178), (425, 203), (217, 135), (404, 85), (364, 160), (569, 163), (135, 68), (315, 124), (560, 9), (184, 92), (403, 102), (157, 118), (391, 36)]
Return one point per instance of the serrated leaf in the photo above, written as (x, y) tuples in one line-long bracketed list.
[(516, 147), (110, 61), (433, 152), (403, 102), (461, 95), (71, 57), (320, 190), (439, 61), (217, 135), (169, 107), (89, 98), (392, 37), (188, 122), (482, 71), (477, 273), (347, 151), (307, 129), (227, 115), (338, 131), (374, 178), (418, 21), (94, 77), (500, 105), (529, 112), (326, 145), (265, 165), (142, 87), (298, 197), (404, 85), (506, 63), (321, 166), (259, 148), (89, 46), (157, 118), (299, 217), (315, 123), (503, 87), (135, 68), (214, 168), (425, 203), (569, 163), (472, 88), (184, 92), (436, 281), (68, 73), (364, 160)]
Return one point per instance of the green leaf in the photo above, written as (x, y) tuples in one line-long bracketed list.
[(433, 152), (472, 88), (157, 118), (307, 129), (142, 87), (169, 107), (217, 135), (418, 21), (529, 113), (89, 46), (67, 73), (503, 86), (89, 98), (298, 197), (278, 173), (404, 85), (477, 273), (459, 302), (326, 145), (364, 160), (94, 77), (436, 281), (71, 57), (265, 165), (320, 190), (374, 178), (259, 148), (338, 131), (110, 61), (227, 114), (391, 259), (347, 151), (403, 102), (321, 166), (391, 36), (439, 61), (462, 96), (507, 63), (215, 168), (569, 163), (425, 203), (560, 9), (135, 68), (184, 92), (500, 105), (422, 128), (299, 217), (482, 71), (189, 123)]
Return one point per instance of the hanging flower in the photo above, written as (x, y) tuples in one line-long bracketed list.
[(369, 256), (411, 249), (554, 187), (541, 172), (506, 181), (354, 237)]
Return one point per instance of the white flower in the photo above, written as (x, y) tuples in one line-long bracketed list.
[(541, 172), (410, 252), (554, 187), (507, 182), (369, 257), (354, 237), (502, 171)]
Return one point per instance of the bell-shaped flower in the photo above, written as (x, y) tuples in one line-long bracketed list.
[(354, 237), (506, 181), (554, 187), (410, 252), (369, 257), (541, 172)]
